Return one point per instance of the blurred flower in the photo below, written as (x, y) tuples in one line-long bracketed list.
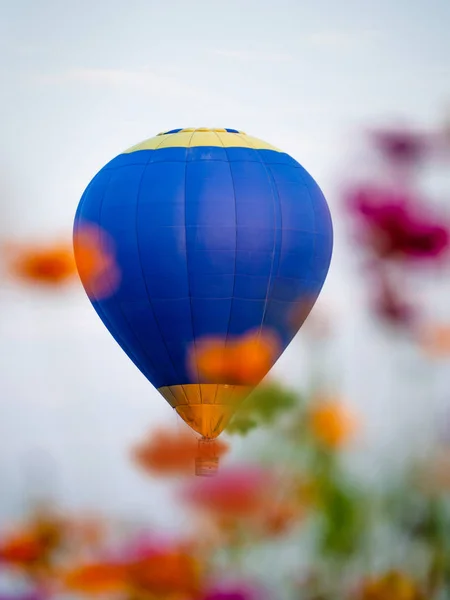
[(165, 574), (435, 340), (435, 475), (389, 304), (167, 452), (51, 265), (305, 490), (95, 578), (34, 595), (96, 261), (331, 422), (32, 546), (20, 549), (391, 586), (401, 145), (88, 531), (240, 590), (242, 361), (393, 227), (232, 492), (282, 517)]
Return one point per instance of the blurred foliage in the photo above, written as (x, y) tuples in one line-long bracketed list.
[(263, 407)]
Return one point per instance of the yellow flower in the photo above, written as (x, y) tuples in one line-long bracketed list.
[(393, 585)]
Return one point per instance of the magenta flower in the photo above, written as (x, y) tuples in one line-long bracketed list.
[(393, 227), (226, 595), (234, 591), (24, 596)]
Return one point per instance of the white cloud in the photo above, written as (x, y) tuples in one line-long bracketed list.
[(246, 55), (143, 79), (340, 39)]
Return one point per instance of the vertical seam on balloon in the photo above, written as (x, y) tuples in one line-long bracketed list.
[(100, 210), (272, 187), (142, 268), (274, 183), (98, 308), (118, 303), (187, 272), (235, 246), (159, 147), (314, 240), (160, 144), (169, 389)]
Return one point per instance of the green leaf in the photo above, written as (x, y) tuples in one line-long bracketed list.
[(269, 401), (241, 425), (343, 518)]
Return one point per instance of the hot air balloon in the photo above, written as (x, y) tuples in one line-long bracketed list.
[(215, 233)]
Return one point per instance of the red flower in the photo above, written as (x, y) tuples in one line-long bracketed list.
[(393, 227)]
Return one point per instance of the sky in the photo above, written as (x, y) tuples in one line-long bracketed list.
[(81, 82)]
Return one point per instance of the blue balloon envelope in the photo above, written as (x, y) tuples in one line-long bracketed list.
[(216, 233)]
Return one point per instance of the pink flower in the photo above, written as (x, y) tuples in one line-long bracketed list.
[(401, 145), (389, 304), (236, 492)]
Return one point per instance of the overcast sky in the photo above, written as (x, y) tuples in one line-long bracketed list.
[(84, 80)]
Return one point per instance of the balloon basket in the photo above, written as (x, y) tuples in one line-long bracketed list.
[(206, 462)]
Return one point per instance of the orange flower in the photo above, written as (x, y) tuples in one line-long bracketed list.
[(281, 517), (168, 452), (435, 341), (96, 578), (391, 586), (306, 491), (332, 423), (434, 476), (49, 265), (253, 356), (243, 361), (164, 574), (95, 260), (86, 533)]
